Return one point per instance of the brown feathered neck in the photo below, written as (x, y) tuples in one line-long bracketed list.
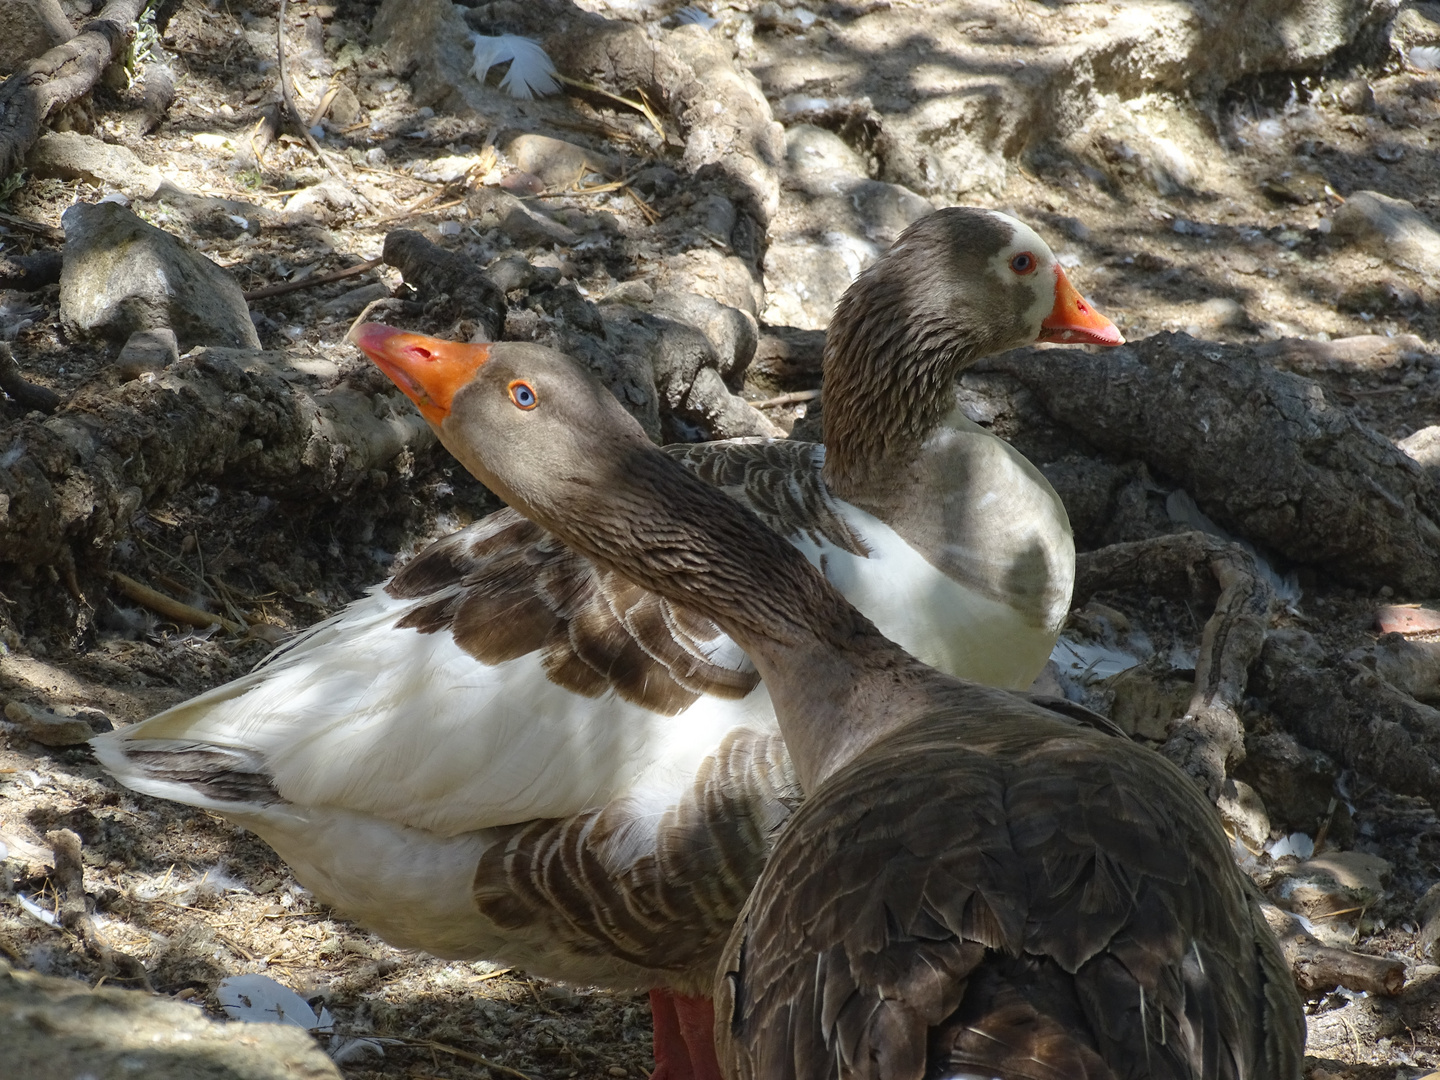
[(929, 307), (836, 682)]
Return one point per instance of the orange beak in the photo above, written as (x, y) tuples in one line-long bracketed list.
[(429, 370), (1072, 321)]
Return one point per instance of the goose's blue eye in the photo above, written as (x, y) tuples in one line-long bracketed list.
[(1023, 263), (522, 394)]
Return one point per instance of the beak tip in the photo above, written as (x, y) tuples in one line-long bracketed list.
[(370, 338)]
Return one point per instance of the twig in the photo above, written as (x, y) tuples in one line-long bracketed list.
[(650, 215), (404, 215), (797, 397), (170, 607), (294, 111), (39, 228), (642, 106), (304, 283), (22, 389), (455, 1051)]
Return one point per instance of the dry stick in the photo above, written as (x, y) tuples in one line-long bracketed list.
[(455, 1051), (1319, 968), (796, 397), (168, 606), (20, 388), (305, 283), (39, 228), (57, 77), (641, 106), (289, 96)]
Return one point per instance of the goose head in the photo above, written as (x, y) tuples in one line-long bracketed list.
[(549, 439), (959, 284), (540, 413)]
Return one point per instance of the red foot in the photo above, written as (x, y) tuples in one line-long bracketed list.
[(684, 1037)]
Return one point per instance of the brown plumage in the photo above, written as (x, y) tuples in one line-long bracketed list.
[(511, 752), (977, 885)]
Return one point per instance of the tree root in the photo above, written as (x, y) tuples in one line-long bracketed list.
[(28, 394), (59, 76), (1262, 451), (1345, 708), (1320, 968), (73, 481), (1210, 735)]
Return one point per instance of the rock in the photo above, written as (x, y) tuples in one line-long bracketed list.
[(557, 162), (723, 278), (637, 291), (1218, 313), (351, 303), (1355, 96), (29, 28), (1066, 73), (1407, 618), (1392, 228), (1423, 446), (787, 357), (1244, 812), (1147, 698), (68, 155), (1331, 888), (804, 279), (1363, 352), (818, 161), (1418, 24), (1412, 667), (147, 350), (518, 273), (523, 226), (1378, 298), (1297, 783), (839, 224), (1427, 914), (317, 202), (1299, 187), (681, 368), (722, 114), (345, 108), (122, 275), (46, 727), (59, 1029), (452, 167), (732, 334)]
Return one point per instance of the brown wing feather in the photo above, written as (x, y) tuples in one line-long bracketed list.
[(505, 588), (1024, 899), (576, 879)]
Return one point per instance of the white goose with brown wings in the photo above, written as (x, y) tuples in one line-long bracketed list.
[(505, 752)]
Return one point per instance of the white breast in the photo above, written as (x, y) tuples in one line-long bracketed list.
[(934, 617)]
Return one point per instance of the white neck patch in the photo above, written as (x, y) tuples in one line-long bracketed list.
[(1041, 279)]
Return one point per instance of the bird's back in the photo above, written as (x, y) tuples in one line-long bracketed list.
[(1000, 891)]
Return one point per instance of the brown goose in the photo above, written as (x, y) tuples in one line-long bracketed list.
[(977, 886), (509, 752)]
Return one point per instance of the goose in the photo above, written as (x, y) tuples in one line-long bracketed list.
[(508, 752), (978, 884)]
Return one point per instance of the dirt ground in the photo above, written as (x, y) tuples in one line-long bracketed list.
[(1245, 255)]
